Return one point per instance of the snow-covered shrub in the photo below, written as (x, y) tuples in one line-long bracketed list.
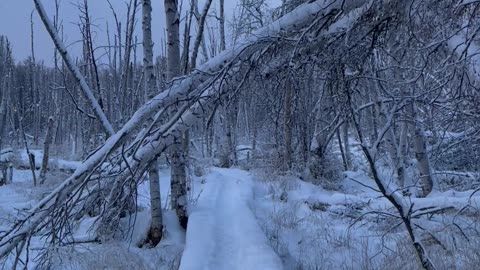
[(199, 166), (324, 171), (401, 256), (458, 155), (198, 171), (459, 181), (310, 241), (269, 158), (276, 185), (468, 254)]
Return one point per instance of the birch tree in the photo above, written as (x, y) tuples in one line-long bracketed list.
[(156, 226), (177, 155)]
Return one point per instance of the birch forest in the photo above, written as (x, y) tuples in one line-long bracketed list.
[(240, 134)]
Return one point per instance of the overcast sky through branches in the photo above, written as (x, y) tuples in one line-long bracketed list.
[(15, 24)]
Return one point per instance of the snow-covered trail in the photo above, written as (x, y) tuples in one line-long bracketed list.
[(223, 232)]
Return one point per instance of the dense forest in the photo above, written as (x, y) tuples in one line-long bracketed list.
[(303, 134)]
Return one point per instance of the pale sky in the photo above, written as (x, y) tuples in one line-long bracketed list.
[(15, 24)]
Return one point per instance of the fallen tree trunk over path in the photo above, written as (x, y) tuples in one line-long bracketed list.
[(182, 89)]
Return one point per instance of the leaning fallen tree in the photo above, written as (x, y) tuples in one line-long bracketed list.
[(192, 94)]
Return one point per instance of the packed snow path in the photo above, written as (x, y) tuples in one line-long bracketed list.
[(223, 232)]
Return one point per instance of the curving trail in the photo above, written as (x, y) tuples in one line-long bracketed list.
[(223, 232)]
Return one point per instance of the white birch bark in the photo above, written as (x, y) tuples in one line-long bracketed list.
[(156, 225), (421, 154), (173, 38), (177, 156)]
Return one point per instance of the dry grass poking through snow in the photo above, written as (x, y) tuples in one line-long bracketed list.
[(113, 256), (311, 234)]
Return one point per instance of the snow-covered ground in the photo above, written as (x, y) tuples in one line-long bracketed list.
[(16, 197), (21, 195), (260, 220)]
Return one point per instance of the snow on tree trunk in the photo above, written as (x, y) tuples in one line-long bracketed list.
[(156, 226), (177, 156)]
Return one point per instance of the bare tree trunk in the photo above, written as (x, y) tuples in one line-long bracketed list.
[(3, 99), (402, 155), (46, 148), (156, 225), (210, 131), (173, 42), (186, 40), (199, 38), (127, 54), (231, 115), (222, 25), (178, 159), (421, 154), (179, 182), (7, 63), (31, 156), (342, 152), (348, 158), (35, 94), (288, 124), (196, 12), (91, 54), (9, 174)]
